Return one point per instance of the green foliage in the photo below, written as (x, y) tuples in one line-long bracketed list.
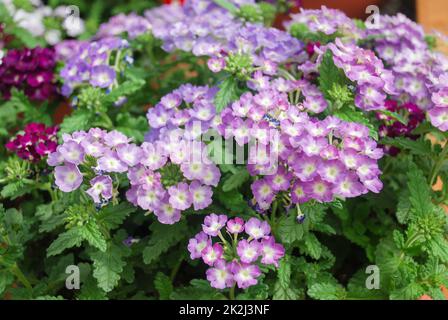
[(163, 285), (283, 288), (327, 291), (235, 179), (197, 290), (330, 76), (109, 264), (302, 32), (125, 253), (163, 237), (228, 92), (352, 114)]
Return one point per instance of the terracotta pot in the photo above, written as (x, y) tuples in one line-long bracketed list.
[(354, 9), (61, 111)]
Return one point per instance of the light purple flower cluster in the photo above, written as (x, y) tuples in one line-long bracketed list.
[(190, 107), (162, 178), (199, 26), (131, 24), (327, 21), (265, 48), (98, 151), (235, 260), (364, 68), (95, 63), (68, 49), (439, 113), (420, 74), (317, 159), (170, 179)]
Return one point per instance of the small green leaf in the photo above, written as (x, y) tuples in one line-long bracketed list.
[(290, 230), (113, 216), (78, 120), (235, 180), (282, 288), (327, 291), (394, 115), (419, 147), (162, 238), (313, 246), (163, 285), (228, 92), (68, 239), (109, 265), (93, 235), (350, 114), (420, 196)]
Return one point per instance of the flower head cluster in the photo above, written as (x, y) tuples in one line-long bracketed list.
[(199, 26), (256, 47), (96, 153), (131, 24), (171, 178), (44, 21), (36, 143), (96, 63), (190, 107), (420, 74), (439, 97), (163, 177), (30, 70), (235, 260), (327, 21), (68, 49), (298, 156), (361, 66)]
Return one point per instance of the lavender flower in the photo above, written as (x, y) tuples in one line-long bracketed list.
[(234, 260)]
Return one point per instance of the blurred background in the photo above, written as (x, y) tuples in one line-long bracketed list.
[(432, 14)]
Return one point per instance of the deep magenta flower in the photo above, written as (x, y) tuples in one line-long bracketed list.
[(36, 143), (29, 70)]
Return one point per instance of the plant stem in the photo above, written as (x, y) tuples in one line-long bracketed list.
[(232, 293), (176, 269), (274, 215), (22, 278), (438, 164)]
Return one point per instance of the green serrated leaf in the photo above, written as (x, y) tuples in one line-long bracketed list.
[(329, 75), (418, 147), (197, 290), (163, 285), (420, 197), (163, 238), (313, 246), (282, 288), (108, 266), (327, 291), (68, 239), (78, 120), (91, 232), (125, 89), (228, 92), (235, 180), (113, 216), (290, 230), (350, 114)]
